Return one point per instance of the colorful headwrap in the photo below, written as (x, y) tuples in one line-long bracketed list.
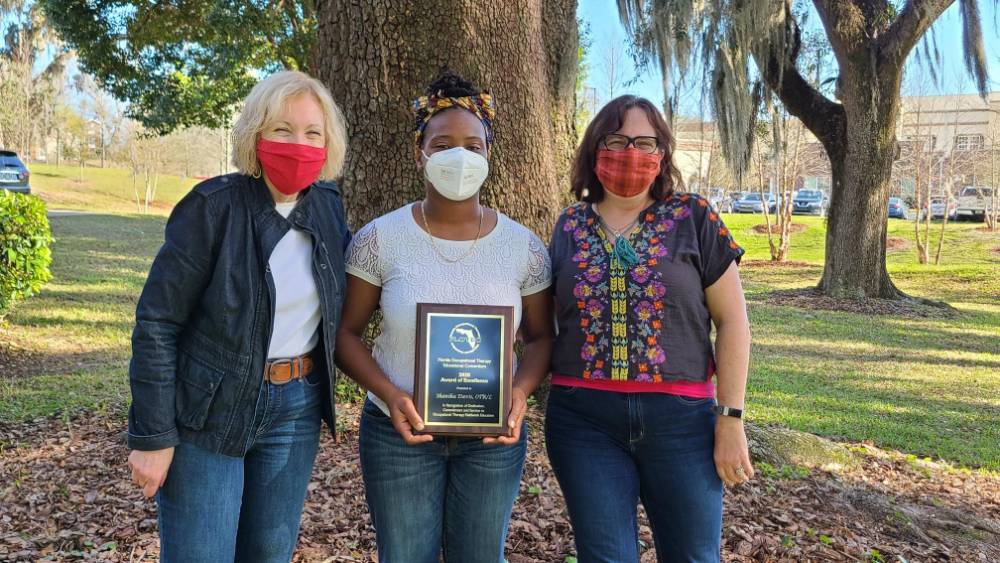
[(481, 105)]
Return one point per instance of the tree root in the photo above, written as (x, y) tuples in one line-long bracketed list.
[(926, 524), (784, 446)]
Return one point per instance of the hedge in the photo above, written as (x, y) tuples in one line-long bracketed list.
[(25, 255)]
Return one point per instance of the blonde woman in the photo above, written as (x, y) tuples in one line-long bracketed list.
[(232, 352)]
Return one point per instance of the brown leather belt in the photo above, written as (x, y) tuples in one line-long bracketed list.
[(284, 370)]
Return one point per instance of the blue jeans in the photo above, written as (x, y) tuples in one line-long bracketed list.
[(609, 450), (215, 508), (455, 492)]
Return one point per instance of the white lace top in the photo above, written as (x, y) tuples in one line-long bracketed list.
[(394, 253)]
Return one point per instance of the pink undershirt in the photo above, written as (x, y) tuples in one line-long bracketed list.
[(697, 389)]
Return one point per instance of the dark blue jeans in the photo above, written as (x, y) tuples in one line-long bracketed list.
[(215, 508), (609, 450), (453, 492)]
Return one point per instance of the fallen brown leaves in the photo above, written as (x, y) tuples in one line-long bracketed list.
[(65, 495)]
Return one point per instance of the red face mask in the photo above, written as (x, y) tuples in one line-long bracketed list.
[(290, 167), (629, 172)]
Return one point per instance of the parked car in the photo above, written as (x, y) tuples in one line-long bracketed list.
[(730, 200), (752, 202), (973, 202), (14, 175), (939, 209), (813, 202), (897, 208)]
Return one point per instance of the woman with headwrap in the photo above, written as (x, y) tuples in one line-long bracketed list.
[(429, 493)]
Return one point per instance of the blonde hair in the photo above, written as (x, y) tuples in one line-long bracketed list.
[(266, 99)]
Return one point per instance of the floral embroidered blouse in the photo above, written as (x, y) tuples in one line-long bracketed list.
[(644, 328)]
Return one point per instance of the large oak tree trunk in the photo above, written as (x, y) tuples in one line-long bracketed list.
[(858, 218), (859, 131), (376, 57)]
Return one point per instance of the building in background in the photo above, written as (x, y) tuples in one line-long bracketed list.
[(697, 147), (955, 122), (947, 142)]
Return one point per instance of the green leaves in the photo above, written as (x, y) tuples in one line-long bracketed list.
[(187, 63), (25, 255)]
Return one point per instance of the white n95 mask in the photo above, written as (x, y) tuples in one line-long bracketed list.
[(456, 173)]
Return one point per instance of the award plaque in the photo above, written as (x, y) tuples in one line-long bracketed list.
[(464, 369)]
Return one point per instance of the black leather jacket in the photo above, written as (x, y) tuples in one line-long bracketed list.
[(204, 319)]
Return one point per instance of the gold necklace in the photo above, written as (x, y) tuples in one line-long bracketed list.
[(427, 227)]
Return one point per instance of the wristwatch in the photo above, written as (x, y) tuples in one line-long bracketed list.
[(728, 411)]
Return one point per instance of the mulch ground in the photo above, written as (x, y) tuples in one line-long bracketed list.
[(897, 243), (786, 265), (810, 298), (65, 496), (794, 228)]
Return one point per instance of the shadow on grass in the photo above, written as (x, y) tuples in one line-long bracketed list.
[(74, 336), (833, 327), (63, 364), (94, 294), (809, 353), (60, 320), (954, 418), (104, 248)]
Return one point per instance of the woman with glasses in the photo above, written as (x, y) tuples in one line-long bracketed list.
[(640, 274), (426, 494)]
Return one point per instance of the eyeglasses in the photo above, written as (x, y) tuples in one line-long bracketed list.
[(615, 142)]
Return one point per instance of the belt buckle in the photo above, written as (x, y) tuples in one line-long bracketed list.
[(289, 362)]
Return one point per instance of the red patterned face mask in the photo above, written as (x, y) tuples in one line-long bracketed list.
[(629, 172), (290, 167)]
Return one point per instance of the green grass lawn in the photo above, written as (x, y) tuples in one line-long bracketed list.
[(930, 387), (110, 190), (926, 386), (77, 330)]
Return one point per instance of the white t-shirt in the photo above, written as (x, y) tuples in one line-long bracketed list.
[(394, 253), (296, 300)]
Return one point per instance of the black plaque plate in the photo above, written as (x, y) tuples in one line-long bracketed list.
[(464, 368)]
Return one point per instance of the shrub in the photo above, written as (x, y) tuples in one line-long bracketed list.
[(25, 255)]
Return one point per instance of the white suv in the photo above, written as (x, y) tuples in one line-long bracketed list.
[(973, 203)]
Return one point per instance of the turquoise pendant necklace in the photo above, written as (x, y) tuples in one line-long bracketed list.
[(622, 250)]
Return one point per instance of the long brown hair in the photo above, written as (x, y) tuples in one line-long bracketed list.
[(584, 182)]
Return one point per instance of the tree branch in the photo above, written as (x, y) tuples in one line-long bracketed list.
[(820, 115), (843, 22), (904, 33)]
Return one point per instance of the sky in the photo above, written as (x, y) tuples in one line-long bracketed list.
[(608, 35)]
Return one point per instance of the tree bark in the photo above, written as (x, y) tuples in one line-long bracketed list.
[(858, 218), (377, 57)]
